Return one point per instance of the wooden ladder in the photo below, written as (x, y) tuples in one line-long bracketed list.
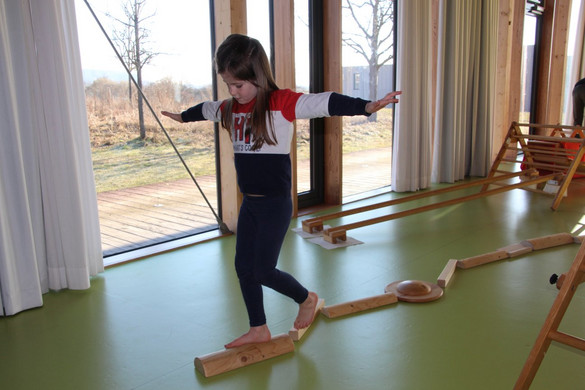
[(549, 331), (563, 160)]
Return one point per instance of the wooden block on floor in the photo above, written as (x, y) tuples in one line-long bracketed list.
[(517, 249), (296, 334), (447, 273), (482, 259), (342, 309), (312, 225), (331, 236), (229, 359), (549, 241)]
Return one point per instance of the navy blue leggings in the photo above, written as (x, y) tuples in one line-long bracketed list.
[(262, 226)]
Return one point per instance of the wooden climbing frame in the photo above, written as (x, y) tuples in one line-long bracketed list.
[(561, 157), (549, 332), (556, 150)]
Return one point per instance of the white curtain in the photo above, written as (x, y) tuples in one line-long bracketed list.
[(49, 227), (465, 100), (411, 152), (455, 140)]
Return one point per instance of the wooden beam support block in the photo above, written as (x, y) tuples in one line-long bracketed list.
[(447, 274), (342, 309), (517, 249), (549, 241), (482, 259), (332, 236), (296, 334), (312, 225), (229, 359)]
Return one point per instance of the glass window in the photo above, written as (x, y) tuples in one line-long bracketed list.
[(302, 77), (145, 194), (368, 73)]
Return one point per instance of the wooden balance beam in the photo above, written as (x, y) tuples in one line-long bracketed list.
[(229, 359), (549, 241), (312, 225), (342, 309), (526, 246), (296, 334), (339, 233), (445, 277)]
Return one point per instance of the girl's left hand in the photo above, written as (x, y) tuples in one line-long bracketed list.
[(372, 107)]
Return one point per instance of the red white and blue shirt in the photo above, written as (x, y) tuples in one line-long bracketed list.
[(267, 170)]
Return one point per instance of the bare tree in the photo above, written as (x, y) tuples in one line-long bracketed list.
[(131, 39), (375, 41)]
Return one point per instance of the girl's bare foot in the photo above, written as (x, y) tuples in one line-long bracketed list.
[(306, 311), (256, 334)]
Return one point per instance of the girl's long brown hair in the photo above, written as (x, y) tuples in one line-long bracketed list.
[(244, 58)]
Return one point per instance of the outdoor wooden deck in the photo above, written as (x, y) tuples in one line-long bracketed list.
[(143, 216), (147, 215)]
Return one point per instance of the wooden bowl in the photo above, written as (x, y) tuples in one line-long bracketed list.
[(414, 291)]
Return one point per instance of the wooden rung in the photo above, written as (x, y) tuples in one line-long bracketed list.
[(358, 305), (482, 259), (445, 276), (517, 249), (296, 334), (549, 241), (230, 359), (549, 138)]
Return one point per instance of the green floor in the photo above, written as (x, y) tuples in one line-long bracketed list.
[(141, 324)]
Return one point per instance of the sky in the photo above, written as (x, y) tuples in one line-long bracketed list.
[(180, 32)]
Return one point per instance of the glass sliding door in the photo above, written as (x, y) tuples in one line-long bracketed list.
[(368, 72), (308, 24), (145, 194)]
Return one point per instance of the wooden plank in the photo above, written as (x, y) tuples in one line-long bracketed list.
[(516, 249), (447, 274), (316, 224), (549, 241), (233, 358), (342, 309), (482, 259), (296, 334), (332, 234)]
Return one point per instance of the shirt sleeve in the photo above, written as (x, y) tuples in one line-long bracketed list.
[(325, 104), (343, 105), (210, 111)]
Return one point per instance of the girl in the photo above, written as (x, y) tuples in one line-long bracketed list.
[(260, 119)]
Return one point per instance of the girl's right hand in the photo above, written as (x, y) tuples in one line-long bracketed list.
[(173, 115)]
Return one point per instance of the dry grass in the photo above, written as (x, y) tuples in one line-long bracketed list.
[(121, 159)]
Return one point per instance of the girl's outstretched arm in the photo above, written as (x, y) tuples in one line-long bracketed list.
[(173, 115), (377, 105)]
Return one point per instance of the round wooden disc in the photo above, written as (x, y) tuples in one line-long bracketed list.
[(414, 291)]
